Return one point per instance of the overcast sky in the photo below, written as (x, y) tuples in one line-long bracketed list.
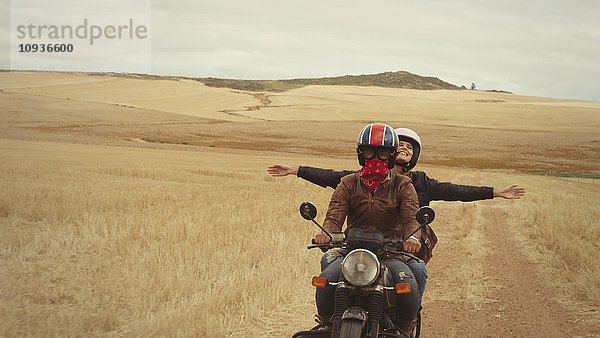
[(541, 48)]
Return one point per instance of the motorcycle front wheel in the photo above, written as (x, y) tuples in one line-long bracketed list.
[(351, 328)]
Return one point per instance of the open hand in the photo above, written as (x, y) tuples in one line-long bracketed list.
[(278, 170), (510, 192)]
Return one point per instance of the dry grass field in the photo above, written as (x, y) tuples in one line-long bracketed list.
[(123, 241), (136, 207), (463, 128)]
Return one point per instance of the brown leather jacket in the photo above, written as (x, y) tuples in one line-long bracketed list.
[(391, 208)]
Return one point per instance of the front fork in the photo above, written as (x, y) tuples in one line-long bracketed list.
[(375, 307)]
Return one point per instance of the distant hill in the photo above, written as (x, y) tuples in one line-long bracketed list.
[(400, 79)]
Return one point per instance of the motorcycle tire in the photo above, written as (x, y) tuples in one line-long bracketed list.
[(351, 328)]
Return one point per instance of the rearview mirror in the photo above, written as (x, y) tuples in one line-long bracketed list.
[(308, 211), (425, 215)]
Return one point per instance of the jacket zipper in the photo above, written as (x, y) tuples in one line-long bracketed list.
[(372, 194)]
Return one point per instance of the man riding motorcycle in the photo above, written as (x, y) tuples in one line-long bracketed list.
[(374, 199)]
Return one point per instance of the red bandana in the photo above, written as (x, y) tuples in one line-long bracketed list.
[(373, 173)]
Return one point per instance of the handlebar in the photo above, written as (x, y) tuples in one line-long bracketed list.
[(390, 249), (389, 245), (323, 247), (424, 216)]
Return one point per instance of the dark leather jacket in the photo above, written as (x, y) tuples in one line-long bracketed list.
[(391, 208)]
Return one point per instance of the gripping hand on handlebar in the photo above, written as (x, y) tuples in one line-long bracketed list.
[(411, 246), (321, 238)]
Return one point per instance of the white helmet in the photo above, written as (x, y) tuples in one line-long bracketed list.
[(409, 135)]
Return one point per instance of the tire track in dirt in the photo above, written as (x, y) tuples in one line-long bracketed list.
[(516, 301)]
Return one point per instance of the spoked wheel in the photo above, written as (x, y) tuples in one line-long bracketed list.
[(351, 328)]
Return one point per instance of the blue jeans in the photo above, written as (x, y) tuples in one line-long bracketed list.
[(325, 296), (420, 272)]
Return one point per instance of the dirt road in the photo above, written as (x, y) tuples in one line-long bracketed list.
[(509, 299)]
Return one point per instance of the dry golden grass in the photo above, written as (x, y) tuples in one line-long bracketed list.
[(471, 129), (560, 226), (464, 108), (464, 282), (557, 225), (123, 241), (98, 240), (458, 108), (185, 97)]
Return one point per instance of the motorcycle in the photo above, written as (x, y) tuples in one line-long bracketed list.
[(368, 301)]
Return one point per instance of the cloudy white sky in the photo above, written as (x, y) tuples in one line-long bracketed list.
[(541, 48)]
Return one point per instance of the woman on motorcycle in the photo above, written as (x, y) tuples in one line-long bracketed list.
[(373, 199)]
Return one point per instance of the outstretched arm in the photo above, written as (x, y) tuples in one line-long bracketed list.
[(435, 190), (431, 189), (510, 192), (322, 177)]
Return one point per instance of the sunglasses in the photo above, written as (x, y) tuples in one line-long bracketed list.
[(383, 154)]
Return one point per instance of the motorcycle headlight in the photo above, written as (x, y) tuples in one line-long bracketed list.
[(360, 267)]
